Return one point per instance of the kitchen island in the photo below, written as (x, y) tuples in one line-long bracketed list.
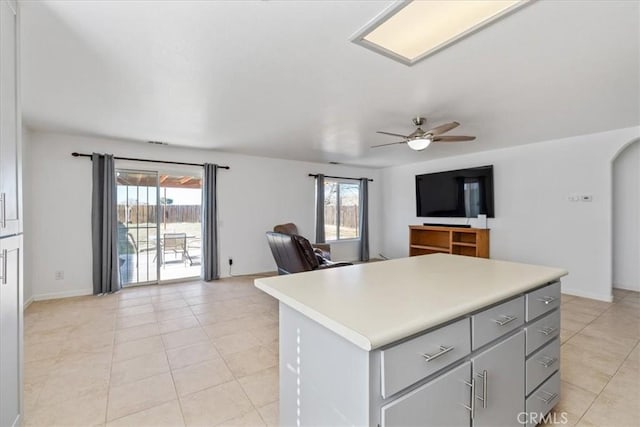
[(429, 340)]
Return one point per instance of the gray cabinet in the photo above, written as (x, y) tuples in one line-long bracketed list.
[(409, 362), (493, 379), (542, 331), (10, 219), (499, 383), (10, 125), (10, 330), (496, 376), (543, 301), (495, 322), (441, 402), (542, 364), (543, 400), (471, 371)]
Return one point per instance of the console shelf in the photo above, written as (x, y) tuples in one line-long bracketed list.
[(431, 248), (425, 240)]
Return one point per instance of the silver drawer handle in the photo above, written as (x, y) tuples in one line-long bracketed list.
[(472, 405), (3, 210), (443, 350), (547, 331), (547, 361), (485, 378), (548, 399), (547, 300), (3, 278), (505, 320)]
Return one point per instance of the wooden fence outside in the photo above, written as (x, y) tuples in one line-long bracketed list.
[(145, 214)]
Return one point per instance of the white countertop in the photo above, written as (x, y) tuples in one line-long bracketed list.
[(377, 303)]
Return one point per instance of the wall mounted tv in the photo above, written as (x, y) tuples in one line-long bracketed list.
[(459, 193)]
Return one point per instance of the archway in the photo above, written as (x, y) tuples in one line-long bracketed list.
[(625, 251)]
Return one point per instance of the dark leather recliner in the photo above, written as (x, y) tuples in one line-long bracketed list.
[(323, 249), (294, 254)]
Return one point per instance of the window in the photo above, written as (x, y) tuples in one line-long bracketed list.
[(472, 197), (341, 210)]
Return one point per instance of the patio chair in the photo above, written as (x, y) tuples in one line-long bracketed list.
[(176, 244), (194, 251)]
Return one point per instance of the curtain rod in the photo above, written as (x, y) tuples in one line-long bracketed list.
[(74, 154), (315, 175)]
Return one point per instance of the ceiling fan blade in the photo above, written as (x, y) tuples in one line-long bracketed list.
[(453, 138), (438, 130), (392, 134), (390, 143)]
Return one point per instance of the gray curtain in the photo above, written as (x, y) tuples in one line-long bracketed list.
[(320, 209), (210, 267), (104, 219), (364, 219)]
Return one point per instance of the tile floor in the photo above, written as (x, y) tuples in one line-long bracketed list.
[(600, 361), (195, 354), (205, 354)]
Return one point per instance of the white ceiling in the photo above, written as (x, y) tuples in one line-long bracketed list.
[(281, 79)]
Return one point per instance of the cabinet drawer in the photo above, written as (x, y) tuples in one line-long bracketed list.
[(542, 331), (543, 300), (413, 360), (543, 400), (497, 321), (440, 402), (542, 364)]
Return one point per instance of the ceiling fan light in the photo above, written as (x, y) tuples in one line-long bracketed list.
[(419, 144)]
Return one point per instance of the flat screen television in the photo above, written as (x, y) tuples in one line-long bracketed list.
[(459, 193)]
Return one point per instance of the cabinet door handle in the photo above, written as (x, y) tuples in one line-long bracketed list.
[(547, 331), (471, 407), (3, 279), (547, 300), (549, 399), (443, 350), (485, 377), (547, 361), (3, 210), (505, 319)]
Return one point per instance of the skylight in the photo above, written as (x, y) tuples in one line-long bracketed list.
[(412, 30)]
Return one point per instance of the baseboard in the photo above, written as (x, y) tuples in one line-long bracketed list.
[(65, 294), (27, 303), (590, 295), (260, 274), (622, 287)]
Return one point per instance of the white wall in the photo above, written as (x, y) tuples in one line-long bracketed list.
[(535, 222), (254, 195), (626, 219)]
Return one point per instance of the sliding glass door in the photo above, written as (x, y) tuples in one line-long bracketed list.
[(138, 195), (180, 226), (159, 226)]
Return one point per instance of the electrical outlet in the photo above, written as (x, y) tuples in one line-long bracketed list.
[(59, 275), (230, 261)]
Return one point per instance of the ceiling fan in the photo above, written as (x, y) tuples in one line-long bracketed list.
[(419, 139)]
